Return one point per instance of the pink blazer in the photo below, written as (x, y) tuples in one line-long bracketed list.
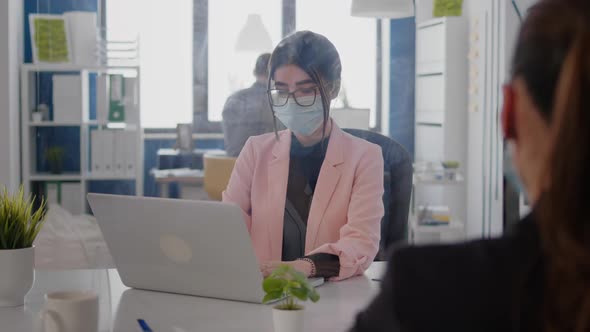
[(347, 206)]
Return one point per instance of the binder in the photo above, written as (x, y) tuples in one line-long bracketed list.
[(107, 151), (130, 153), (131, 100), (67, 98), (116, 103), (102, 98), (119, 160), (96, 153)]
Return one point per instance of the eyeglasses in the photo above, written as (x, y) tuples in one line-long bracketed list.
[(303, 97)]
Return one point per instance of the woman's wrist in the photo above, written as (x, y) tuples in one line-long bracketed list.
[(309, 266)]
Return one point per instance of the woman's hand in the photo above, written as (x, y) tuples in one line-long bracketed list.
[(299, 265)]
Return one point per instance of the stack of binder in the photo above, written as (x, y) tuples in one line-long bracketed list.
[(113, 153)]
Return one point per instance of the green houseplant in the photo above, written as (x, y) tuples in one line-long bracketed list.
[(287, 285), (20, 224), (55, 157)]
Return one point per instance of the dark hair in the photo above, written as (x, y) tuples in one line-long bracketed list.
[(316, 56), (553, 58), (261, 68)]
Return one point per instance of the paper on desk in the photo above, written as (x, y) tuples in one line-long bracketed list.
[(447, 8)]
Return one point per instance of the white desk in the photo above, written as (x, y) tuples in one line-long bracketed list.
[(121, 306)]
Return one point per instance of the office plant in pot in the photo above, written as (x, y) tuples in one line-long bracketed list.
[(55, 158), (290, 287), (20, 222)]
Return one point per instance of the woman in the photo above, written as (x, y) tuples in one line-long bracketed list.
[(537, 278), (311, 194)]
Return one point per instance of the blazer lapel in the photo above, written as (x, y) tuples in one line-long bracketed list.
[(327, 182), (278, 176)]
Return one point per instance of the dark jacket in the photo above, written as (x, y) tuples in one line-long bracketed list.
[(486, 285)]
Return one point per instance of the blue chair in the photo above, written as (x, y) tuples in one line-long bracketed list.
[(397, 185)]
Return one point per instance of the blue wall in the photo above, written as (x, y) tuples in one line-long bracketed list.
[(403, 73)]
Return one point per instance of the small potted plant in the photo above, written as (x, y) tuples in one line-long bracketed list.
[(19, 225), (287, 285), (40, 113), (37, 116), (55, 157)]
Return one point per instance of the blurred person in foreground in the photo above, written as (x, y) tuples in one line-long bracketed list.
[(536, 278)]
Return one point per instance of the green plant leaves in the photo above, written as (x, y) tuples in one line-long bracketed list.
[(272, 296), (273, 284), (289, 283), (19, 225)]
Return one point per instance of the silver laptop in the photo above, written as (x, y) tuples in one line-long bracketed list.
[(187, 247)]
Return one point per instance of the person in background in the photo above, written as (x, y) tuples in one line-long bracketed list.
[(536, 278), (312, 194), (247, 112)]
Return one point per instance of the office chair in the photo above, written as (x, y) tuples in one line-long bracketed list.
[(398, 172), (217, 171)]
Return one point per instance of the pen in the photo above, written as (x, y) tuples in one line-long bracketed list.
[(144, 325)]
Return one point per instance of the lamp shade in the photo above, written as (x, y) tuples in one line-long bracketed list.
[(382, 8), (254, 37)]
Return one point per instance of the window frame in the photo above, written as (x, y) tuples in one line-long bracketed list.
[(200, 113)]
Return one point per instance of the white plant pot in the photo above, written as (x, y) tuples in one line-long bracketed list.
[(16, 275), (37, 117), (288, 320)]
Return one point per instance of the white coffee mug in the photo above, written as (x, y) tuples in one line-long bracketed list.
[(70, 311)]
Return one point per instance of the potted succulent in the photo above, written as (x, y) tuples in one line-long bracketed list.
[(287, 285), (19, 225), (55, 157)]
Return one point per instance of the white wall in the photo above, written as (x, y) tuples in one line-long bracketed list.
[(10, 59)]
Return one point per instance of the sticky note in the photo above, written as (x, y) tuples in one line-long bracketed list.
[(447, 8)]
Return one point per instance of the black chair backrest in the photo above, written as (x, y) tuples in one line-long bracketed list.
[(397, 185)]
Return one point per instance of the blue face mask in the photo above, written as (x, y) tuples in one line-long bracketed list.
[(511, 173), (301, 120)]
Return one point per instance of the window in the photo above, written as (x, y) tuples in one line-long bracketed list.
[(180, 85), (237, 36), (165, 39), (355, 39)]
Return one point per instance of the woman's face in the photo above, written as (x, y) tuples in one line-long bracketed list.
[(293, 91)]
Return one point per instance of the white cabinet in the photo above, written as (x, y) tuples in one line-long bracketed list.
[(441, 113)]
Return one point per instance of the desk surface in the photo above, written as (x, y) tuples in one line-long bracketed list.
[(121, 306)]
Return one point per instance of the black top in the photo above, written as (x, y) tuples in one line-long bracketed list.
[(486, 285), (304, 170)]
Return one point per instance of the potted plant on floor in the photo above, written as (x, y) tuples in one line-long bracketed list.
[(19, 225), (55, 157), (287, 285)]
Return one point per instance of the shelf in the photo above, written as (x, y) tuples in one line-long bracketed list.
[(34, 67), (454, 226), (458, 181), (55, 177), (107, 177), (61, 124)]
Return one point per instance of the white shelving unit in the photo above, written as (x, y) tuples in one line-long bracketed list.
[(441, 116), (29, 129), (428, 234)]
